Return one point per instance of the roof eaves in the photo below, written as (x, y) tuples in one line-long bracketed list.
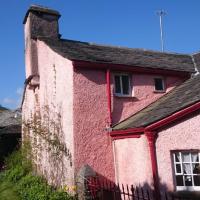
[(163, 121), (173, 117)]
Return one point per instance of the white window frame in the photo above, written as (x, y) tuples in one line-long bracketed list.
[(185, 188), (121, 88), (163, 84)]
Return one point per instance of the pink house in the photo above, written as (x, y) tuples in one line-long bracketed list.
[(132, 115)]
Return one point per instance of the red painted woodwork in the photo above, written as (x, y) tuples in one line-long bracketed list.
[(124, 136), (128, 133), (151, 137), (130, 130), (127, 68), (160, 123), (173, 117)]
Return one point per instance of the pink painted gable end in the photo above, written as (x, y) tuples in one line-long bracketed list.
[(91, 116)]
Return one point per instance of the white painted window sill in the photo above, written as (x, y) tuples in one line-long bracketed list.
[(123, 96), (159, 91)]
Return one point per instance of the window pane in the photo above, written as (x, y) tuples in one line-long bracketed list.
[(188, 180), (159, 84), (187, 169), (117, 85), (197, 180), (179, 181), (195, 157), (178, 168), (186, 157), (125, 84), (196, 168), (177, 157)]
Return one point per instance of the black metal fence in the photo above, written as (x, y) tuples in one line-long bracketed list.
[(101, 189)]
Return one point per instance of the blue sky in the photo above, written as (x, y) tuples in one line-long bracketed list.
[(131, 23)]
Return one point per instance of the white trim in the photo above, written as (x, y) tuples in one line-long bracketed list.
[(163, 84), (188, 188), (192, 174), (130, 89)]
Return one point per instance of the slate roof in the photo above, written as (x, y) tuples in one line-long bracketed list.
[(9, 117), (83, 51), (179, 98), (10, 121)]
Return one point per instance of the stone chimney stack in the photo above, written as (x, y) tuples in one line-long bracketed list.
[(38, 22), (42, 22)]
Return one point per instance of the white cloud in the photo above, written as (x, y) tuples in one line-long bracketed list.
[(13, 101), (9, 101), (19, 91)]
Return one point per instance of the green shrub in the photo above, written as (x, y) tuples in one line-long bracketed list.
[(14, 159), (29, 187), (15, 174), (19, 158), (16, 166), (33, 188), (60, 195)]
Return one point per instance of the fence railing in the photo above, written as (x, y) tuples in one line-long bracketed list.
[(102, 189)]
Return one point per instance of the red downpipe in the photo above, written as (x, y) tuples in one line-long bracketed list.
[(151, 137), (109, 96)]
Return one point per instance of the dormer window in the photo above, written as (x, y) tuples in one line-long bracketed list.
[(159, 84), (122, 85)]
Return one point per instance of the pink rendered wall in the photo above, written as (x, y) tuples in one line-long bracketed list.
[(181, 136), (30, 51), (92, 144), (132, 162), (143, 95), (55, 92), (27, 48), (29, 95)]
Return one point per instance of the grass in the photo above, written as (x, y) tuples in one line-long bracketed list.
[(8, 191), (19, 182)]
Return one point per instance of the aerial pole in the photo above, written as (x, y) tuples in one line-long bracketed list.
[(161, 13)]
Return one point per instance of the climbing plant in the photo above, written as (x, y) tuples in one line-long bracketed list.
[(46, 136)]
